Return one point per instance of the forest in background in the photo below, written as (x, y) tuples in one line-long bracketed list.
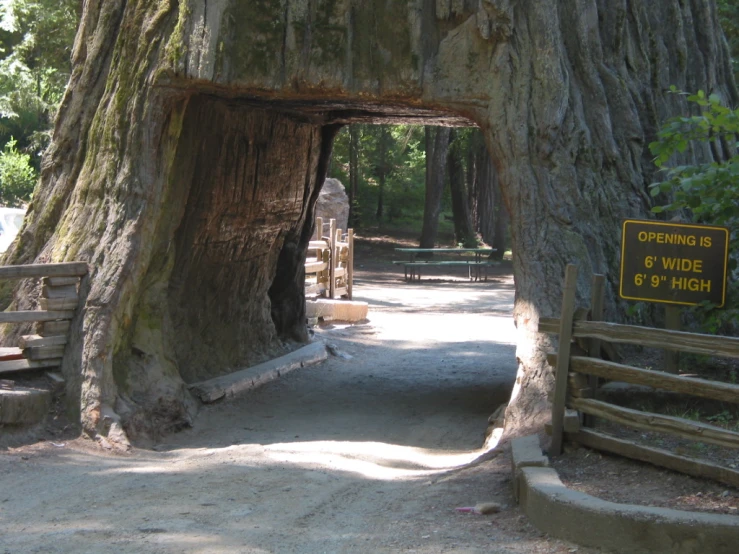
[(434, 181)]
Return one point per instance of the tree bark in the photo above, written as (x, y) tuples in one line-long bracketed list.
[(382, 168), (500, 218), (485, 194), (464, 232), (189, 145), (437, 146), (354, 133)]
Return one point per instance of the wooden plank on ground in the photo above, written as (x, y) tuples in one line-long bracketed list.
[(562, 368), (34, 315), (52, 304), (43, 270), (655, 456), (44, 352), (25, 365), (714, 390), (61, 281), (30, 341), (648, 421), (710, 345), (230, 385)]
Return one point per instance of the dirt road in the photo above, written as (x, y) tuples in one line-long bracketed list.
[(364, 453)]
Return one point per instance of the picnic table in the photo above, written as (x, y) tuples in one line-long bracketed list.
[(476, 266)]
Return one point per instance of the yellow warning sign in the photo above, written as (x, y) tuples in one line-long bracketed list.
[(673, 263)]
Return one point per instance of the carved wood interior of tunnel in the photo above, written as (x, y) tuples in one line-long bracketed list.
[(251, 172)]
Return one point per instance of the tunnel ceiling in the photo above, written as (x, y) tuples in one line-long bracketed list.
[(323, 110)]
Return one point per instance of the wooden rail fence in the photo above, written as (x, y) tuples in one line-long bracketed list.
[(59, 300), (576, 384), (329, 265)]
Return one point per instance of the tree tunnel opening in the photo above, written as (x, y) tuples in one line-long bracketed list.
[(227, 291), (249, 173)]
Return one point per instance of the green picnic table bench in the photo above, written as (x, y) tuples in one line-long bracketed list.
[(476, 266)]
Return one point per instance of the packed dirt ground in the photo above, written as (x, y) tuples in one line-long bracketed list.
[(371, 451)]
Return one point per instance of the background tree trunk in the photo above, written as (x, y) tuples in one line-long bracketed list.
[(499, 215), (486, 197), (464, 232), (383, 168), (438, 141), (354, 134)]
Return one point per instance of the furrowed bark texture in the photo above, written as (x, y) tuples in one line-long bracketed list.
[(193, 139), (437, 148)]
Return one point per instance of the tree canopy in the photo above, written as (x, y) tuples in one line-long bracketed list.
[(36, 38)]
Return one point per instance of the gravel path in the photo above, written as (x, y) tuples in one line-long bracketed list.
[(369, 452)]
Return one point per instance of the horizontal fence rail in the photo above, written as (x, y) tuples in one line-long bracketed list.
[(648, 421), (694, 343), (76, 269), (714, 390), (576, 378), (656, 456), (58, 302)]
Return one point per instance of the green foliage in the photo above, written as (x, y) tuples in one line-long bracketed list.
[(403, 164), (708, 191), (17, 177), (36, 38)]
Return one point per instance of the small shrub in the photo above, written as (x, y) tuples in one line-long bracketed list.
[(708, 192), (17, 176)]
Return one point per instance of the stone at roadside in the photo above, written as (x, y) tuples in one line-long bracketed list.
[(333, 203)]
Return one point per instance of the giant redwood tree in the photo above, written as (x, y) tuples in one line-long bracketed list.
[(194, 136)]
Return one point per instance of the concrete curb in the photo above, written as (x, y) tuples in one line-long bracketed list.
[(622, 528), (234, 383)]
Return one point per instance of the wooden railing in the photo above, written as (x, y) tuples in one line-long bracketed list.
[(576, 384), (58, 302), (329, 264)]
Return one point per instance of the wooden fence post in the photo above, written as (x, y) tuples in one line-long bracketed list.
[(563, 358), (332, 260), (597, 301), (350, 266)]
